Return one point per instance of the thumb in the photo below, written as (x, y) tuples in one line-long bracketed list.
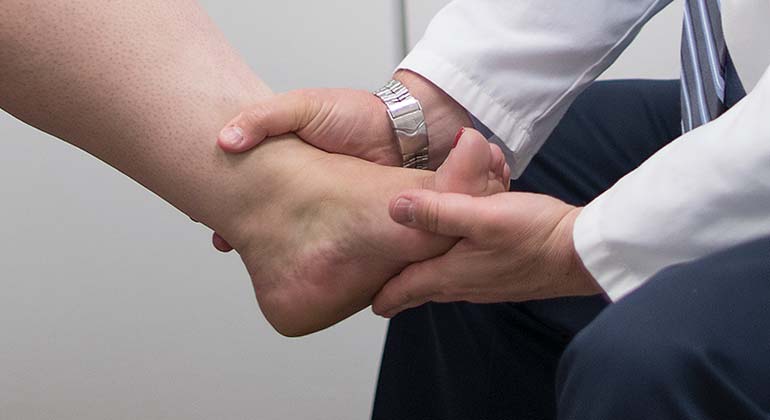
[(448, 214), (279, 114)]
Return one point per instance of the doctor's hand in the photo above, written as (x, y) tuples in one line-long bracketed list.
[(514, 247), (346, 121)]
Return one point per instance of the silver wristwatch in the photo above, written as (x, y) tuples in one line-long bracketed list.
[(408, 123)]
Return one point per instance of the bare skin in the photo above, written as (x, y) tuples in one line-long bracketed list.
[(146, 86), (342, 255), (350, 122)]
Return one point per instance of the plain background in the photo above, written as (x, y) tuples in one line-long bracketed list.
[(113, 305)]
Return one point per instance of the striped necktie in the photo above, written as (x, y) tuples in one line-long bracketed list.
[(710, 84)]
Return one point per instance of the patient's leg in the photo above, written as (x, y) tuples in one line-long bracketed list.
[(145, 85)]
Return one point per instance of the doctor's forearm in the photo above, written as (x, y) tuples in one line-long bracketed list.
[(705, 192)]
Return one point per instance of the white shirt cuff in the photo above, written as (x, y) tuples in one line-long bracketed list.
[(605, 266), (483, 106)]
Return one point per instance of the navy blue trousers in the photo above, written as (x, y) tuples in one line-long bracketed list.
[(693, 343)]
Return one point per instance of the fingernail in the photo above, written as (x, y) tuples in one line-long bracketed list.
[(231, 135), (403, 211), (458, 136)]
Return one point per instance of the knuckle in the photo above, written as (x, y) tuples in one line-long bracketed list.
[(308, 104), (432, 214), (310, 99)]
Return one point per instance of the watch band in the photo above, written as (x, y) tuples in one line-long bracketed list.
[(408, 122)]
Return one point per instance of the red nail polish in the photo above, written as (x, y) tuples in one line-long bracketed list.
[(457, 137)]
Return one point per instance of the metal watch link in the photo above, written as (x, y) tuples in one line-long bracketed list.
[(408, 121)]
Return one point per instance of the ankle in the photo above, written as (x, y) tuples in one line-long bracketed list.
[(260, 182)]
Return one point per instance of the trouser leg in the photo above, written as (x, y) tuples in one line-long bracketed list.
[(693, 343)]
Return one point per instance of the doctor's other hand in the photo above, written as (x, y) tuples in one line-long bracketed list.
[(346, 121), (515, 247)]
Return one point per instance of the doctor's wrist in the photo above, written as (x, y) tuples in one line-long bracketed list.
[(579, 281), (443, 115)]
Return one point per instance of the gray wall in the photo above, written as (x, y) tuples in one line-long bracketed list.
[(114, 305)]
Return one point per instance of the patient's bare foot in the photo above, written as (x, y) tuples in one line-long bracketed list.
[(323, 253)]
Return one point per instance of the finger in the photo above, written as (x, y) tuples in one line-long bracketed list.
[(447, 214), (280, 114), (220, 243), (417, 284)]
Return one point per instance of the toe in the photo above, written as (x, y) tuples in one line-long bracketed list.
[(507, 177), (468, 165), (497, 162)]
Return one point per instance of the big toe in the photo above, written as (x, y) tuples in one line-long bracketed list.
[(471, 167)]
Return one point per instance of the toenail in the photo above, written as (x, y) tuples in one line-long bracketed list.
[(458, 136), (403, 211)]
